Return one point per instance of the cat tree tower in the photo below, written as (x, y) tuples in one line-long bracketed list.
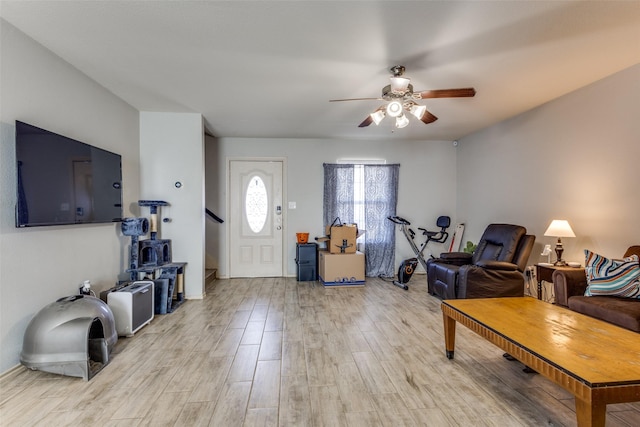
[(151, 259)]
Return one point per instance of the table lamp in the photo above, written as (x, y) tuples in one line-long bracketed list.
[(559, 228)]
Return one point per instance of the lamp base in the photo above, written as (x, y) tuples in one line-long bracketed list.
[(559, 250)]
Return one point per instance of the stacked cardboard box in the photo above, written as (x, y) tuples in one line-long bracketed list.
[(340, 264), (341, 269)]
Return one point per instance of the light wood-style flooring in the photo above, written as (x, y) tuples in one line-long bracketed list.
[(277, 352)]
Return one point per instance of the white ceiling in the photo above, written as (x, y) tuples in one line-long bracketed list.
[(268, 68)]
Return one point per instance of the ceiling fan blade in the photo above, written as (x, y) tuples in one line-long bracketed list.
[(366, 122), (356, 99), (427, 118), (464, 92)]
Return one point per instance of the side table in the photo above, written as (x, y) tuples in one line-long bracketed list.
[(544, 272)]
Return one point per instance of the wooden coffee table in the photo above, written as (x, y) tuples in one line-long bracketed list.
[(597, 362)]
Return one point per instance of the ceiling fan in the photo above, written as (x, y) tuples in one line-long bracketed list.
[(401, 98)]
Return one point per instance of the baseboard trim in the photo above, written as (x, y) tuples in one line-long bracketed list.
[(10, 371)]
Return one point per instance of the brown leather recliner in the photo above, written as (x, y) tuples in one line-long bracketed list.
[(494, 270)]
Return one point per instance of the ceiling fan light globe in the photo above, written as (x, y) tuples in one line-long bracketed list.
[(418, 111), (394, 108), (402, 121), (399, 84), (377, 116)]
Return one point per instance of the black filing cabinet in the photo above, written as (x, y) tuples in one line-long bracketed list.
[(307, 261)]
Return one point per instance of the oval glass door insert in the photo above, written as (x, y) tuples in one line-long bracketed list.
[(256, 204)]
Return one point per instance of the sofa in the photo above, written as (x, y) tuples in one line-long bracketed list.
[(570, 287)]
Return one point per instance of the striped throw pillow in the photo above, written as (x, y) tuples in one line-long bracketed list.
[(612, 277)]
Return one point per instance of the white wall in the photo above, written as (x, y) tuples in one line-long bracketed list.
[(41, 264), (172, 150), (426, 188), (574, 158)]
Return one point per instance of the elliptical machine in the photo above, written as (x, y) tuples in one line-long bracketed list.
[(408, 266)]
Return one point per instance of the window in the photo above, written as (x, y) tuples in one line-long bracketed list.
[(256, 204), (358, 200), (365, 194), (358, 192)]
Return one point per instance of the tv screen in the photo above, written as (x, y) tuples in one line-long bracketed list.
[(64, 181)]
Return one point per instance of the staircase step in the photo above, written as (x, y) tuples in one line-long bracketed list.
[(210, 275)]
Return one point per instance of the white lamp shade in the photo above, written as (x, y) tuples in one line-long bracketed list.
[(418, 110), (377, 116), (559, 228), (399, 84), (401, 121)]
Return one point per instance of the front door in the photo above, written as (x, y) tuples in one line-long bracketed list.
[(255, 218)]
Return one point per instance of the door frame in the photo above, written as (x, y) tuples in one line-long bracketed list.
[(285, 244)]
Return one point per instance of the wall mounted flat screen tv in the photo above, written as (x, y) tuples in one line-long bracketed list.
[(64, 181)]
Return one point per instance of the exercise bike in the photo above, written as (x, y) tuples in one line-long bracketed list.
[(408, 266)]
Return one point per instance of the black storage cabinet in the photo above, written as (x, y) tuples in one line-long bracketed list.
[(307, 261)]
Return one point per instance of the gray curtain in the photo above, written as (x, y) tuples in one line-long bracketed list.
[(381, 198), (338, 193)]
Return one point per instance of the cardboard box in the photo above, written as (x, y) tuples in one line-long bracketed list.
[(342, 238), (341, 269)]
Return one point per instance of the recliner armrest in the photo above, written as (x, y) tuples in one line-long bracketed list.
[(568, 283), (497, 265)]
